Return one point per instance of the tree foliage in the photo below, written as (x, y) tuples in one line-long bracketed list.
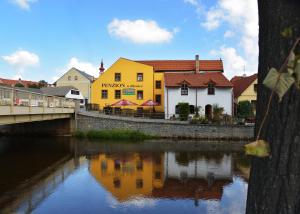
[(244, 109), (184, 110)]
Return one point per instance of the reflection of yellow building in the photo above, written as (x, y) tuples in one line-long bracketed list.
[(128, 80), (128, 175)]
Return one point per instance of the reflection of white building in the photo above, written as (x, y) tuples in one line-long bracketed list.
[(199, 168)]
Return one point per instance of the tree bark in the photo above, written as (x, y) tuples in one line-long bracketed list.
[(274, 185)]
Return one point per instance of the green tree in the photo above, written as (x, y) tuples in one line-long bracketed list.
[(274, 185), (43, 83), (20, 85), (244, 109), (184, 110), (33, 86)]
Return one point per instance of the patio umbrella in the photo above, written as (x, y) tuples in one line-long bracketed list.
[(150, 103), (124, 103)]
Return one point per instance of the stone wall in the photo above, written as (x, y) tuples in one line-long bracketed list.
[(170, 129)]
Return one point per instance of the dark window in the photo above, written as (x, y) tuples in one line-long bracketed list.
[(157, 175), (255, 87), (117, 165), (139, 77), (140, 95), (177, 109), (158, 98), (103, 165), (117, 183), (76, 78), (184, 89), (139, 183), (117, 77), (117, 94), (158, 84), (211, 89), (104, 94), (81, 101), (74, 92), (139, 165), (192, 109)]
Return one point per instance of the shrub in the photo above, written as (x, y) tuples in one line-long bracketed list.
[(244, 109), (184, 110), (217, 113)]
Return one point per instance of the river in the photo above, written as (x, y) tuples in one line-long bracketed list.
[(66, 175)]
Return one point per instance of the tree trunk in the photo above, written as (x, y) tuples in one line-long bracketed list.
[(274, 185)]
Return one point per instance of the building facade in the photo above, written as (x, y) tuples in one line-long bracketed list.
[(78, 79), (202, 90)]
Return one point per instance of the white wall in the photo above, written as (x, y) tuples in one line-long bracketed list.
[(76, 97), (222, 97), (200, 168)]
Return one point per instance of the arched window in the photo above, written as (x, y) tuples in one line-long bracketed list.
[(184, 89)]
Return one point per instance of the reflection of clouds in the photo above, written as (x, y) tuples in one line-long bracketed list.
[(134, 202), (213, 207)]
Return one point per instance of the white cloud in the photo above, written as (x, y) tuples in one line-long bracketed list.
[(192, 2), (229, 34), (140, 31), (22, 59), (213, 19), (87, 67), (23, 4), (233, 63)]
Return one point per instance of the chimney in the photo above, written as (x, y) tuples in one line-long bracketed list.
[(197, 64), (101, 69)]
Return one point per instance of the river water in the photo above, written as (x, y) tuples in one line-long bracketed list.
[(65, 175)]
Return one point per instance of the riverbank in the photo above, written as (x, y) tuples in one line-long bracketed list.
[(88, 121)]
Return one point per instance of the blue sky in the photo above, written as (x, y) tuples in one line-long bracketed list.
[(41, 39)]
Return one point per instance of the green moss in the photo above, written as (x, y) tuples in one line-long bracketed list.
[(114, 135)]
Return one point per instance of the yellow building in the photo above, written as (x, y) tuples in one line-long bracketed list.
[(128, 175), (245, 89), (139, 81), (129, 80)]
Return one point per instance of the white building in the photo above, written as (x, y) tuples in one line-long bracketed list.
[(199, 90)]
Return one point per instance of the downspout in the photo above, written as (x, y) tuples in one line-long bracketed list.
[(167, 102)]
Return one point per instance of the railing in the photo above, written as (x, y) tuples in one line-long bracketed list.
[(21, 97)]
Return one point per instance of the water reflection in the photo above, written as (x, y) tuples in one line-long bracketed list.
[(78, 176)]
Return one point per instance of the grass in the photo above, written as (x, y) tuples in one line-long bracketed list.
[(113, 135)]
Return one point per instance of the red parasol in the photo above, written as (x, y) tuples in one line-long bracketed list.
[(124, 103), (150, 103)]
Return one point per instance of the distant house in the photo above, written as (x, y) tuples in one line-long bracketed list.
[(65, 91), (18, 83), (245, 88), (78, 79), (199, 90)]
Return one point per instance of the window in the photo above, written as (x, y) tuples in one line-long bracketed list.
[(192, 109), (104, 94), (177, 109), (117, 77), (69, 78), (184, 89), (76, 78), (139, 183), (140, 95), (117, 165), (81, 101), (103, 165), (211, 89), (158, 98), (74, 92), (139, 77), (158, 84), (117, 183), (157, 175), (139, 165), (117, 94), (255, 87)]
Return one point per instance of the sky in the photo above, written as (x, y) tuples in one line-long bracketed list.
[(42, 39)]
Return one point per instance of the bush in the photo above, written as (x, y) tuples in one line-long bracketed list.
[(217, 113), (184, 110), (244, 109)]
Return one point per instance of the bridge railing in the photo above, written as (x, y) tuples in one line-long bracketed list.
[(10, 96)]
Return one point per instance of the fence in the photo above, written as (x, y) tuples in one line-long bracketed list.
[(24, 97)]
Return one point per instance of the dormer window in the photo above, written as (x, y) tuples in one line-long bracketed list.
[(211, 89), (184, 89)]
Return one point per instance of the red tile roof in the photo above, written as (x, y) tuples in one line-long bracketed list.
[(196, 80), (241, 83), (10, 82), (184, 65)]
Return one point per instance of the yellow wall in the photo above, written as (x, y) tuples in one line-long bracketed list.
[(249, 94), (128, 70), (127, 174)]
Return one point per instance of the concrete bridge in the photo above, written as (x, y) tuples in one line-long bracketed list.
[(21, 105)]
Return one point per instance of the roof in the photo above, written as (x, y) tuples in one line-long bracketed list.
[(11, 82), (241, 83), (89, 77), (199, 80), (60, 91), (183, 65)]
